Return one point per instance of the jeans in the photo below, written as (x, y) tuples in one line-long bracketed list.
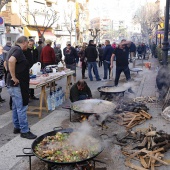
[(94, 66), (83, 97), (100, 62), (19, 114), (126, 71), (106, 69), (83, 69)]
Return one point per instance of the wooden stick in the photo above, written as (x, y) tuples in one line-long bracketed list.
[(146, 114), (129, 164), (131, 121), (159, 160), (153, 161), (143, 162)]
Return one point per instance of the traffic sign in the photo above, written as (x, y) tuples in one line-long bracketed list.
[(2, 25)]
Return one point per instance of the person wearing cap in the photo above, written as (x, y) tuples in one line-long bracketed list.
[(70, 54), (48, 55)]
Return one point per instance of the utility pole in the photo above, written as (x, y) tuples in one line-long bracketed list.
[(166, 30)]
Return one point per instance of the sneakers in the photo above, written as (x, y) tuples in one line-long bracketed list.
[(16, 130), (98, 80), (104, 80), (28, 135)]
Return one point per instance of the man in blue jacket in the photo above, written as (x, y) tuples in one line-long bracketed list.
[(108, 51)]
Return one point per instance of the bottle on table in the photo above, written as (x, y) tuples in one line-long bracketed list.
[(57, 98), (53, 101), (49, 101)]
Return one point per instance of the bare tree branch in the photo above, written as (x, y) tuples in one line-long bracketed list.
[(50, 18), (148, 17), (3, 2)]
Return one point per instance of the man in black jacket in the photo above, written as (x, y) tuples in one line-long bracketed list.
[(70, 54), (122, 63), (91, 55), (80, 91), (31, 55)]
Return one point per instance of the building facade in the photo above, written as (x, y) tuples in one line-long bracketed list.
[(19, 21)]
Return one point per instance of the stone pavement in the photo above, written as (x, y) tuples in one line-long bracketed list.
[(143, 84)]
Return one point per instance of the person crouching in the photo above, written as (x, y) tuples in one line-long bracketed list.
[(80, 91)]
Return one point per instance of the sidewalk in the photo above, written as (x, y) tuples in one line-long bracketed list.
[(143, 85)]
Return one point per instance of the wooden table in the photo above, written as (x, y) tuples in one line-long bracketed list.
[(43, 96)]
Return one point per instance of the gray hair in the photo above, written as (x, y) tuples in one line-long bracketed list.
[(22, 39)]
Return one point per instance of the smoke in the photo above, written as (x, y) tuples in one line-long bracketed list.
[(83, 137)]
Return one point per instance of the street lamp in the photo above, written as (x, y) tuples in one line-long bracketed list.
[(166, 30), (75, 21)]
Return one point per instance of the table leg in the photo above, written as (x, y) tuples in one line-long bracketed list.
[(41, 100), (68, 86)]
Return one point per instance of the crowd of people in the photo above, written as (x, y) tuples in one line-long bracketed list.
[(16, 61)]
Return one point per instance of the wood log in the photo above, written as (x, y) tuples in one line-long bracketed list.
[(155, 151), (149, 142), (132, 113), (129, 164), (151, 133), (153, 161), (152, 142), (131, 121), (135, 154), (149, 162), (134, 124), (143, 162), (159, 160), (145, 114)]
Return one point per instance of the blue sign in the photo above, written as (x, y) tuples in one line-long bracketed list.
[(1, 21)]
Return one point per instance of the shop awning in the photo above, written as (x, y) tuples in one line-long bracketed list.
[(28, 32), (49, 35)]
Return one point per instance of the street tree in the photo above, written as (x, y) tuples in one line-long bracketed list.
[(94, 33), (3, 3), (148, 17), (41, 19), (69, 22)]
